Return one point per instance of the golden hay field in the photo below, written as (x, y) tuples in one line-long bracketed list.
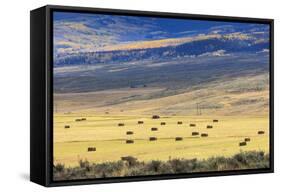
[(109, 139), (241, 112)]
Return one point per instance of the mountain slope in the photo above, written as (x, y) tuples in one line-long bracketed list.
[(231, 43)]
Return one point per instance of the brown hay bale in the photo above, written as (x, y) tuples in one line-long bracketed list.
[(129, 133), (78, 120), (242, 143), (260, 132), (152, 138), (215, 120), (247, 139), (163, 123), (194, 133), (155, 117), (83, 119), (209, 126), (140, 122), (121, 124), (154, 129), (204, 134), (129, 141), (106, 112), (67, 126), (178, 139), (179, 122), (192, 125), (90, 149)]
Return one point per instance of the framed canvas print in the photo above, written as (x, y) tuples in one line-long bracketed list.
[(119, 95)]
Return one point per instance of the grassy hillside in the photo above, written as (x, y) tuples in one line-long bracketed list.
[(232, 96), (174, 73)]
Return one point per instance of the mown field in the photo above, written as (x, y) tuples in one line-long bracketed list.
[(103, 133)]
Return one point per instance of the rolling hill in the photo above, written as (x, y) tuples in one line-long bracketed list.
[(167, 49)]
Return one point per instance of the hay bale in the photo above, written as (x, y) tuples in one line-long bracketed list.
[(78, 120), (129, 141), (121, 124), (247, 139), (67, 126), (83, 119), (204, 134), (106, 112), (91, 149), (244, 143), (163, 123), (260, 132), (140, 122), (152, 138), (129, 133), (179, 122), (215, 120), (178, 139), (209, 126), (155, 117), (154, 129), (192, 125), (195, 133)]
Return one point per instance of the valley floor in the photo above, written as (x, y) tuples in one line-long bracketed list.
[(109, 139)]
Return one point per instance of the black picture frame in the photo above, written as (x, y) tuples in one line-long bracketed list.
[(41, 95)]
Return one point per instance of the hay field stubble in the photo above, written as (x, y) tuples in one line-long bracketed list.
[(103, 132)]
